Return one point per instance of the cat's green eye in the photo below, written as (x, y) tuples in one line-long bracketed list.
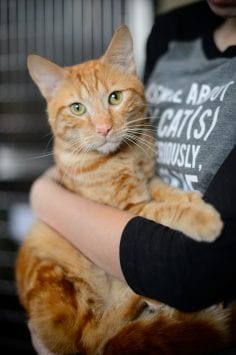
[(77, 109), (115, 98)]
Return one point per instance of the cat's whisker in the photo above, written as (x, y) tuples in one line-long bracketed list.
[(140, 134), (142, 141), (135, 133), (133, 141), (144, 128), (50, 140), (147, 117), (154, 128), (147, 103), (140, 129), (78, 144), (40, 156), (47, 135), (137, 120), (127, 142), (148, 145), (136, 128), (78, 149), (66, 172), (145, 124)]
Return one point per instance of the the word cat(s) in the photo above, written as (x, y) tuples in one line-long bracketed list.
[(104, 150)]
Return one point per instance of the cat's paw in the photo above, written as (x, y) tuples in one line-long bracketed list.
[(202, 222), (193, 196)]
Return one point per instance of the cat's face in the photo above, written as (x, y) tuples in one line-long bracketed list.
[(97, 105)]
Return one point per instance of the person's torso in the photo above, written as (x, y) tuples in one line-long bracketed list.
[(192, 104)]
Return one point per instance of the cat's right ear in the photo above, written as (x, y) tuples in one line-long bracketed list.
[(46, 75), (120, 52)]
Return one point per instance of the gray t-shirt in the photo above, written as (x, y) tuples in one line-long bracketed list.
[(192, 104)]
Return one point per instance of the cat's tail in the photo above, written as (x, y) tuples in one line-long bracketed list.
[(175, 333)]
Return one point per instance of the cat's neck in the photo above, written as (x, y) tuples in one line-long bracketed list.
[(68, 160), (75, 166), (79, 169)]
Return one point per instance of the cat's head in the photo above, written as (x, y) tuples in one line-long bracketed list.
[(96, 105)]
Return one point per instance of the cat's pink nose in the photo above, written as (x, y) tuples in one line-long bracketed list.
[(103, 129)]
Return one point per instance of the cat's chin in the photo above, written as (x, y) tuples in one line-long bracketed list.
[(108, 147)]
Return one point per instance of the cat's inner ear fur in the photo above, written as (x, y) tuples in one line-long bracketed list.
[(120, 51), (47, 75)]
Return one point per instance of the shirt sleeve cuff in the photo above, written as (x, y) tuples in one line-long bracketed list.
[(137, 238)]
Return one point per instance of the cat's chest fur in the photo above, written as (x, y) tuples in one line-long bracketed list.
[(119, 179)]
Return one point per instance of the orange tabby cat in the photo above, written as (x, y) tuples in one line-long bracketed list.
[(104, 150)]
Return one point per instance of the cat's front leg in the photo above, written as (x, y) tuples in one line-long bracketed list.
[(198, 220), (162, 192)]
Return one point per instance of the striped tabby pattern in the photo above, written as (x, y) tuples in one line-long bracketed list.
[(104, 149)]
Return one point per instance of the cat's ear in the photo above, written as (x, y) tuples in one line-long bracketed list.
[(47, 75), (120, 51)]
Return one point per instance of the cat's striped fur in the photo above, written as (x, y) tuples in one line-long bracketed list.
[(107, 155)]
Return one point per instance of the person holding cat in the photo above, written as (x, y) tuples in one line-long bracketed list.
[(190, 87)]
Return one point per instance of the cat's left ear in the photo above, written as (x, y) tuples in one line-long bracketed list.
[(120, 51)]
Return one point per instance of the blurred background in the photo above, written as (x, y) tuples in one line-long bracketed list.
[(67, 32)]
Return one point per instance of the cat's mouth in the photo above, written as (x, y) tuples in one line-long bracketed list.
[(108, 146)]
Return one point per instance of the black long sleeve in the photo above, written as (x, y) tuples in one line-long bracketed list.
[(164, 264)]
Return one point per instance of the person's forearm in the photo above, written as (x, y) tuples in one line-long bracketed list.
[(92, 228)]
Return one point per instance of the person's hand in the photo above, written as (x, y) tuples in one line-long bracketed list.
[(37, 343)]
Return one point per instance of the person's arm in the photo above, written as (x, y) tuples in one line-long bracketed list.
[(156, 262), (163, 264), (92, 228)]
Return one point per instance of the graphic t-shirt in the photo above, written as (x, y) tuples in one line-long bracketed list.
[(192, 97), (192, 103)]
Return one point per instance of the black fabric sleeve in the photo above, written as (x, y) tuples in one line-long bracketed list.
[(164, 264)]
